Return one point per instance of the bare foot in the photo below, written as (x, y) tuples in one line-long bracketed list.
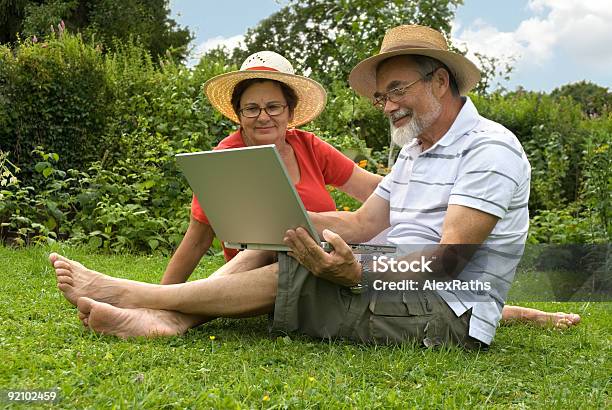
[(124, 323), (75, 281), (559, 320)]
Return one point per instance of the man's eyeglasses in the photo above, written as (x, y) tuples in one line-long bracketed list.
[(395, 95), (254, 111)]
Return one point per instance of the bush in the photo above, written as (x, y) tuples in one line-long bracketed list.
[(55, 95), (95, 136), (552, 133)]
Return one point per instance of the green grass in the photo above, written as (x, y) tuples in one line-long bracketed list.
[(43, 345)]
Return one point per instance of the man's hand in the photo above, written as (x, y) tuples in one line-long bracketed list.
[(338, 266)]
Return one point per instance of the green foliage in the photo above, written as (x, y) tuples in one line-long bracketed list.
[(596, 181), (551, 133), (594, 99), (145, 22), (7, 171), (55, 95), (42, 18), (135, 205), (349, 115), (326, 38), (95, 136)]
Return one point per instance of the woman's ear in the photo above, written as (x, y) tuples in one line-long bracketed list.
[(291, 112)]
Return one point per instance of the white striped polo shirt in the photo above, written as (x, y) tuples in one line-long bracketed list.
[(479, 164)]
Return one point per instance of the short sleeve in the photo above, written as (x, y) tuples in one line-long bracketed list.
[(336, 167), (197, 212), (488, 178), (383, 189)]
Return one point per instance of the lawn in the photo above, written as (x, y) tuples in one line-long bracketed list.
[(235, 364)]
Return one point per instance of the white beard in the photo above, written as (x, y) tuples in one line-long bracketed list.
[(405, 134), (414, 128)]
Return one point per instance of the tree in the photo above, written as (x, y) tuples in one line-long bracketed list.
[(594, 99), (328, 37), (144, 22)]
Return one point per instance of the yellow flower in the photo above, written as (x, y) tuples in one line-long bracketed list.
[(346, 208), (601, 149), (266, 398), (363, 163), (212, 337), (311, 379)]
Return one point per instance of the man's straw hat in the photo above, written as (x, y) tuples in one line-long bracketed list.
[(268, 64), (414, 39)]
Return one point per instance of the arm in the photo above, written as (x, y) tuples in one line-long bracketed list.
[(361, 184), (462, 226), (195, 243), (463, 231), (355, 227)]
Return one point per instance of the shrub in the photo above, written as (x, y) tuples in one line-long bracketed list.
[(551, 132), (54, 95)]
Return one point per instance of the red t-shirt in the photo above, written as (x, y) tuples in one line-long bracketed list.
[(320, 164)]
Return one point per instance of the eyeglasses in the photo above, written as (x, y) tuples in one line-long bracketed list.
[(254, 111), (395, 95)]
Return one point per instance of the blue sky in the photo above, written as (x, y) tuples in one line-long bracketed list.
[(552, 42)]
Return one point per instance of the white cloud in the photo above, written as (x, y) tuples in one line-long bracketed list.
[(575, 29), (219, 41), (211, 43)]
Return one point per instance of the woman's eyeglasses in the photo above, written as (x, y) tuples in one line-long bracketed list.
[(254, 111)]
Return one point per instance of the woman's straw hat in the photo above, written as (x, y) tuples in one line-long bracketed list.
[(268, 64), (414, 39)]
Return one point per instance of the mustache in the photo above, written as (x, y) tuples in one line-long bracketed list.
[(400, 113)]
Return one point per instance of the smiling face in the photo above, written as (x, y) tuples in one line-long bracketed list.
[(264, 129), (414, 114)]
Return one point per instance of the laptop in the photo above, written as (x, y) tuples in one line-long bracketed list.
[(249, 199)]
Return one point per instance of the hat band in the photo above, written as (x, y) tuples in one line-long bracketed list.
[(261, 68), (405, 46)]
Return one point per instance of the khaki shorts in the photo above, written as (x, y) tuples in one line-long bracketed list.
[(319, 308)]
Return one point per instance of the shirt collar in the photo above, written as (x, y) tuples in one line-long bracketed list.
[(466, 120)]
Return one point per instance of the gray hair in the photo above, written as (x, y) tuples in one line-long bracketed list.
[(426, 65)]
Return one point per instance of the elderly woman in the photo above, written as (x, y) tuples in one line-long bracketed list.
[(267, 99)]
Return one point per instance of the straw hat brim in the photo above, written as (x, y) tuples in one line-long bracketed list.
[(310, 94), (363, 77)]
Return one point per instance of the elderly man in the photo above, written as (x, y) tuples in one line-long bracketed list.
[(456, 203)]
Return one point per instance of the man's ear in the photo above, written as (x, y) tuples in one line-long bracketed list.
[(440, 82)]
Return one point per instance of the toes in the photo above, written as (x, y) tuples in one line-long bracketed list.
[(61, 265), (85, 305), (62, 272), (66, 280), (84, 318), (53, 257), (64, 287), (574, 318)]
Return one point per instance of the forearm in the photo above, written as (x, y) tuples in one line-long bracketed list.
[(359, 226), (183, 263), (439, 262), (345, 224), (194, 245)]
